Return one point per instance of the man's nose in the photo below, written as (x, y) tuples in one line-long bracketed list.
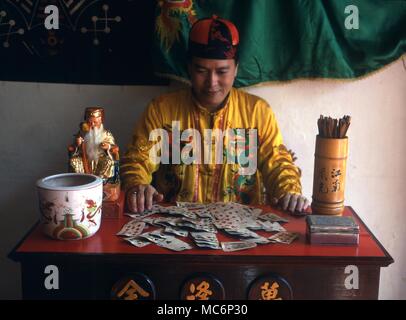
[(212, 79)]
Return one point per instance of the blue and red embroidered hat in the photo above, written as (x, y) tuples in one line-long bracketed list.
[(213, 38)]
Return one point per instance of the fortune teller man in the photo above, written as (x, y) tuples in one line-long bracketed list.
[(215, 143)]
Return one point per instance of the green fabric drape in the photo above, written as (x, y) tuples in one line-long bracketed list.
[(288, 39)]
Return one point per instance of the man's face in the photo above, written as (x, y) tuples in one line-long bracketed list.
[(94, 122), (212, 80)]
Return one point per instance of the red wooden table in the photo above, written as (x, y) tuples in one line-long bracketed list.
[(106, 266)]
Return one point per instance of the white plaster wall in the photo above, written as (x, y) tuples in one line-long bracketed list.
[(376, 175), (38, 121)]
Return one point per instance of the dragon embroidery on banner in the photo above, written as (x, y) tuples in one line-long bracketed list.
[(168, 24)]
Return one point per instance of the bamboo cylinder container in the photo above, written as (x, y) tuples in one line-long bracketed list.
[(330, 162)]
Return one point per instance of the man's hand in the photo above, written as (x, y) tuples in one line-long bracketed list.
[(142, 197), (293, 202)]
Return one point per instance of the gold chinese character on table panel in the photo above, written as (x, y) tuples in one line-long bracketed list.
[(270, 287), (270, 293), (199, 292), (202, 287), (134, 287)]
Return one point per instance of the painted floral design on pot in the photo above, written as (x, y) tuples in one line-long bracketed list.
[(70, 205)]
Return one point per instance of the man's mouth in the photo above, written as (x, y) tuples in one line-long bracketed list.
[(212, 93)]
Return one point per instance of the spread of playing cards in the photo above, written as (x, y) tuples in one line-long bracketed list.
[(170, 226)]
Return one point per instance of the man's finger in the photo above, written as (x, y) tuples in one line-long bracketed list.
[(300, 203), (293, 202), (285, 201), (132, 200), (141, 199), (149, 193), (158, 197), (306, 204)]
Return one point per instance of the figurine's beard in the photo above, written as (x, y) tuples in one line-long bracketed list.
[(93, 139)]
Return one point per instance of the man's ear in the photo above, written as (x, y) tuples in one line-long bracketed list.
[(236, 70)]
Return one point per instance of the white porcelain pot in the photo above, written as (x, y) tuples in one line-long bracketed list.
[(70, 205)]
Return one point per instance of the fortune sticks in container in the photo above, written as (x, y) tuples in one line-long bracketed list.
[(333, 128)]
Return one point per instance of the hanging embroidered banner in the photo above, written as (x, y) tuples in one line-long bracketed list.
[(290, 39)]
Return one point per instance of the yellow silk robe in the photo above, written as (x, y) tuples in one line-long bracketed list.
[(276, 173)]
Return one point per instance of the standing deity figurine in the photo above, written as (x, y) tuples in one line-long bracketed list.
[(94, 152)]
